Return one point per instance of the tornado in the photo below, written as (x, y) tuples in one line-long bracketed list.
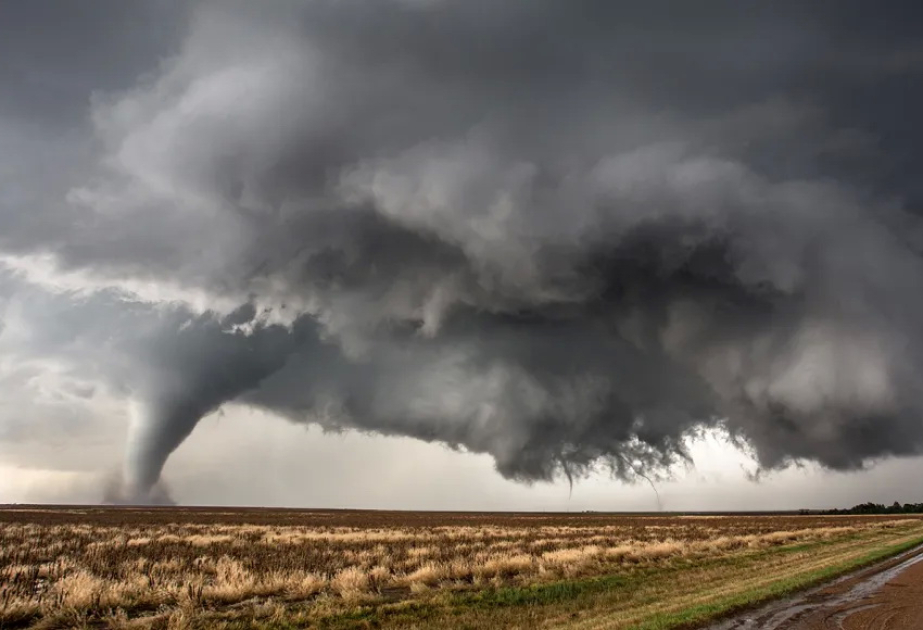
[(568, 235)]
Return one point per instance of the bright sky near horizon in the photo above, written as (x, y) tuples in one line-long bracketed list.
[(230, 462)]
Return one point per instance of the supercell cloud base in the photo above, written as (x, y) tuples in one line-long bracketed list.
[(569, 236)]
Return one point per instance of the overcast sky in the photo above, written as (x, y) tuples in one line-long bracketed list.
[(461, 254)]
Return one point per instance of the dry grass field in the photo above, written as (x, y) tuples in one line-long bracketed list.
[(186, 568)]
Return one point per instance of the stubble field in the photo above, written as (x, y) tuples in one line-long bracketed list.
[(203, 568)]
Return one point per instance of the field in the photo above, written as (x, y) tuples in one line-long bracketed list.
[(200, 568)]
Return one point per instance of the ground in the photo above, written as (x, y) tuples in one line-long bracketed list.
[(191, 568)]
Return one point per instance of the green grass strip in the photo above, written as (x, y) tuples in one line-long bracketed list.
[(707, 613)]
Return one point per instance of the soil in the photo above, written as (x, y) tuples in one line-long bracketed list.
[(888, 596)]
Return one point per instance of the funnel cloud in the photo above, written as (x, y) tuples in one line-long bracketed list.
[(568, 235)]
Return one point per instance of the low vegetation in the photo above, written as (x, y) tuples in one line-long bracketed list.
[(878, 508), (176, 568)]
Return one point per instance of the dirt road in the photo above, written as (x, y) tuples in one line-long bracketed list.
[(888, 596)]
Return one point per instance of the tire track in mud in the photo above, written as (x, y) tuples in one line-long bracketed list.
[(886, 596)]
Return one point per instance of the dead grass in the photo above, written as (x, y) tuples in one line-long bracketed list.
[(165, 567)]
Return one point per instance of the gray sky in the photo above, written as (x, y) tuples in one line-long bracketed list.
[(495, 247)]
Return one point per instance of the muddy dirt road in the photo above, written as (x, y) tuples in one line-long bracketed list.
[(888, 596)]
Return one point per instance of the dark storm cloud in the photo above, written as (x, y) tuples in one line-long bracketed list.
[(561, 233), (54, 55), (53, 58)]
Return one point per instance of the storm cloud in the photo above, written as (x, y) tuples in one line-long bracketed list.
[(565, 234)]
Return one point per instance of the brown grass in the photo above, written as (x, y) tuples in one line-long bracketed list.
[(168, 567)]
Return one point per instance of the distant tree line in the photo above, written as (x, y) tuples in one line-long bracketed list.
[(878, 508)]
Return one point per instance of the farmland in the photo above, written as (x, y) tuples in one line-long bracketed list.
[(190, 568)]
